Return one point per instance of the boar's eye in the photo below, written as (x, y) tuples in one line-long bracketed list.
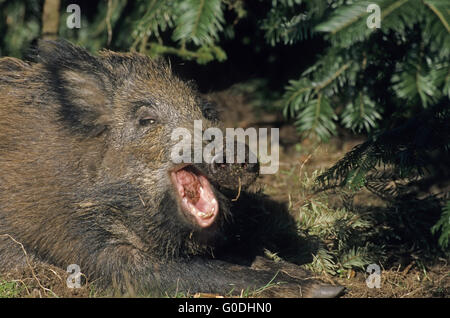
[(146, 116), (146, 121)]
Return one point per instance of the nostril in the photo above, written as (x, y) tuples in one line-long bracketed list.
[(250, 167)]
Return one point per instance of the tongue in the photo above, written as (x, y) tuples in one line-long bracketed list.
[(197, 196), (191, 185)]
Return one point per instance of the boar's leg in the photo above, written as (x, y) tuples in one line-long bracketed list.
[(130, 271)]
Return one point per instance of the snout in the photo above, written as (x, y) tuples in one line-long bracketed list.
[(231, 170), (245, 167)]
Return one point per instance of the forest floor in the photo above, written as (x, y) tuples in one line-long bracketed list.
[(404, 275)]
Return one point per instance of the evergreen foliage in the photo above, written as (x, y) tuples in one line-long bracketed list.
[(397, 163), (345, 239), (443, 225), (406, 61)]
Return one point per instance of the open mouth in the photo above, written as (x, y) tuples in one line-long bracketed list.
[(196, 195)]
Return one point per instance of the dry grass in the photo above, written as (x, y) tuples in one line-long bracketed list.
[(396, 283)]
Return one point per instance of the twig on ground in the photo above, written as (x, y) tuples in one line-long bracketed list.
[(28, 263)]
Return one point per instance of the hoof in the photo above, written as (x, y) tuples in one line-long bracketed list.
[(327, 291)]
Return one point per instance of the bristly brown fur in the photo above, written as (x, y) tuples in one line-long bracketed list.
[(81, 182)]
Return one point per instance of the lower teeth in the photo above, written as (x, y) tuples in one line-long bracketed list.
[(204, 215)]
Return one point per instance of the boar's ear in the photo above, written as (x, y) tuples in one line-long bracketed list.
[(82, 84)]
